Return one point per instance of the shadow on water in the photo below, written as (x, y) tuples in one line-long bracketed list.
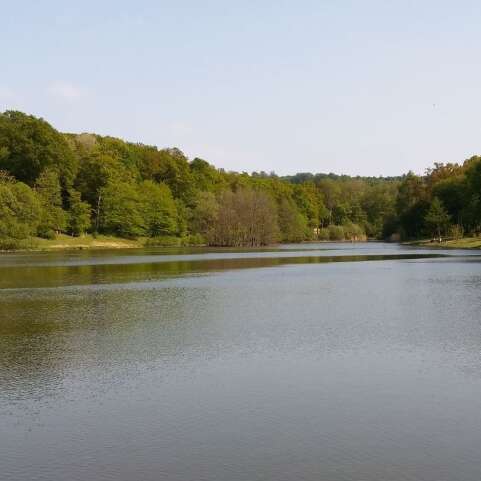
[(33, 276)]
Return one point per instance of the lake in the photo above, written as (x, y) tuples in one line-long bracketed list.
[(306, 362)]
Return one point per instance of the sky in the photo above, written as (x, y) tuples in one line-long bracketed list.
[(352, 87)]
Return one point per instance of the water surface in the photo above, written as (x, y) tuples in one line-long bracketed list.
[(313, 362)]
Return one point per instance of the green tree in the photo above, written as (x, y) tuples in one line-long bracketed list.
[(19, 212), (331, 194), (121, 212), (53, 218), (309, 202), (96, 170), (158, 209), (292, 224), (412, 204), (206, 177), (473, 181), (79, 214), (437, 217), (454, 194), (378, 203), (204, 214), (183, 215), (30, 145), (173, 169)]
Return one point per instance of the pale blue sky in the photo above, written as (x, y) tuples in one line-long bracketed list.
[(357, 87)]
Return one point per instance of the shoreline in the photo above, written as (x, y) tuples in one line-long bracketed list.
[(471, 243), (88, 242), (64, 243)]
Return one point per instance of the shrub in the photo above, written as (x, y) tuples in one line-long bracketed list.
[(336, 232), (19, 214), (323, 234), (353, 232), (10, 244), (163, 241), (456, 231), (193, 240), (48, 234)]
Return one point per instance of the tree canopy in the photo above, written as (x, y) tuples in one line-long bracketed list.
[(52, 182)]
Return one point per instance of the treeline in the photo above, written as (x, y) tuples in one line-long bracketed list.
[(53, 183), (446, 201)]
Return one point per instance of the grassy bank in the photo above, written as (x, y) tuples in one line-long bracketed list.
[(85, 242), (464, 243), (66, 242)]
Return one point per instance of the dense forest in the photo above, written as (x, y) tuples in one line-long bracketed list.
[(52, 182)]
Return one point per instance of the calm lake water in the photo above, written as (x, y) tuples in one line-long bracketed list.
[(309, 362)]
